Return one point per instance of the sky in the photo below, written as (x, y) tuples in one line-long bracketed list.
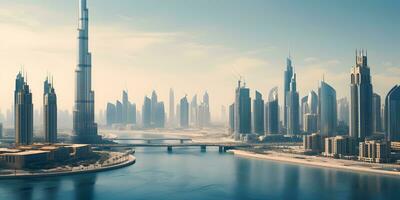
[(195, 46)]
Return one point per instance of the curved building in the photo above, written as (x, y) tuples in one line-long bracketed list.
[(392, 114), (293, 108), (327, 112)]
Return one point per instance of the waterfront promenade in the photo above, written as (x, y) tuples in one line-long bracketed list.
[(117, 160), (316, 161)]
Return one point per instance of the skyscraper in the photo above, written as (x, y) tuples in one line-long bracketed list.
[(50, 112), (376, 113), (258, 114), (232, 118), (292, 100), (327, 111), (171, 107), (242, 111), (287, 79), (343, 111), (206, 104), (184, 113), (361, 98), (160, 115), (392, 114), (146, 112), (23, 112), (193, 112), (111, 114), (125, 107), (303, 110), (273, 112), (154, 101), (85, 129)]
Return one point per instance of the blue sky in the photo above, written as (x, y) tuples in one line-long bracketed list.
[(199, 45)]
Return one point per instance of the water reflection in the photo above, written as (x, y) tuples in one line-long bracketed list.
[(84, 186)]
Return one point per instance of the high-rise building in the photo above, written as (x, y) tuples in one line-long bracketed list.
[(327, 111), (361, 98), (23, 112), (159, 115), (184, 113), (206, 105), (146, 113), (131, 118), (376, 113), (392, 114), (111, 114), (50, 112), (171, 107), (119, 112), (273, 112), (193, 112), (343, 111), (303, 111), (1, 130), (154, 102), (292, 100), (287, 79), (125, 107), (85, 128), (232, 118), (242, 111), (258, 114)]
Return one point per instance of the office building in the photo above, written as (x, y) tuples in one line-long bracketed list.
[(146, 113), (327, 111), (23, 112), (292, 108), (184, 113), (232, 118), (361, 98), (343, 111), (171, 108), (376, 113), (392, 114), (258, 114), (272, 110), (242, 111), (50, 112), (288, 74)]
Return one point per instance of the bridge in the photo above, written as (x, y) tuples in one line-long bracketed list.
[(150, 140), (203, 146)]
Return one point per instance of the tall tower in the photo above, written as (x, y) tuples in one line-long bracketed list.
[(50, 112), (392, 114), (242, 112), (258, 114), (272, 115), (171, 107), (287, 79), (327, 110), (361, 98), (85, 129), (293, 108), (23, 112)]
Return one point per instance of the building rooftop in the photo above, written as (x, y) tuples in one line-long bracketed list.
[(25, 153)]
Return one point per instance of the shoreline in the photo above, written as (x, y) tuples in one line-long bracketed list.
[(130, 161), (313, 162)]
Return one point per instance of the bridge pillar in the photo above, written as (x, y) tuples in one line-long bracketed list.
[(169, 148), (203, 148)]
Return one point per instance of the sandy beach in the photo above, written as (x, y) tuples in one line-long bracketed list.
[(348, 165)]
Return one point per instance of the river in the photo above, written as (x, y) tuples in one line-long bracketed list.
[(188, 173)]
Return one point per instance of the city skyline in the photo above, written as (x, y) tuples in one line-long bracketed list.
[(28, 24)]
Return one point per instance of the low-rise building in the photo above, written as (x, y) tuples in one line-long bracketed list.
[(23, 159), (340, 147), (374, 151), (36, 154), (395, 146), (313, 143)]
